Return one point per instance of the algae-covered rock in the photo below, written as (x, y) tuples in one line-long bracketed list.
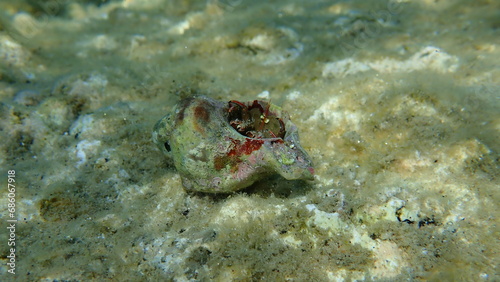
[(221, 147)]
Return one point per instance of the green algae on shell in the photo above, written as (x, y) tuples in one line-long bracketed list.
[(221, 147)]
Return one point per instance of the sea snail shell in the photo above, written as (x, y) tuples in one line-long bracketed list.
[(221, 147)]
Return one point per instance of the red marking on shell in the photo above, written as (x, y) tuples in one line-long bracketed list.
[(246, 148), (311, 170), (236, 150), (201, 113)]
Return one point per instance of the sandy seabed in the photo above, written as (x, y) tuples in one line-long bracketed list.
[(397, 103)]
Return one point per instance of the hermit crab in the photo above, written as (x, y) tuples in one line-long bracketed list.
[(223, 147)]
